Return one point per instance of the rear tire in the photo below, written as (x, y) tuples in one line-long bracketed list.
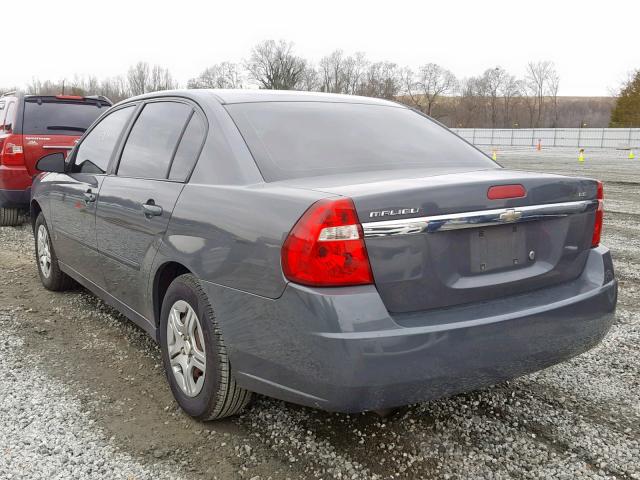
[(10, 217), (189, 353), (49, 271)]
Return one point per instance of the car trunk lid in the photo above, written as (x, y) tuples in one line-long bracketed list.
[(437, 241)]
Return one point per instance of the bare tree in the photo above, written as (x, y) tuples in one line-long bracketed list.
[(114, 88), (383, 80), (310, 79), (274, 66), (138, 78), (220, 75), (510, 91), (354, 73), (530, 97), (469, 107), (143, 78), (493, 80), (554, 86), (538, 78), (332, 72), (431, 82), (161, 79)]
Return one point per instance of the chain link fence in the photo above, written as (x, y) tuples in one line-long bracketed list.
[(621, 138)]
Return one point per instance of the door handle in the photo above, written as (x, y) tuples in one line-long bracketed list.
[(150, 209), (89, 196)]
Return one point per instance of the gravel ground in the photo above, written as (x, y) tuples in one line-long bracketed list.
[(84, 396)]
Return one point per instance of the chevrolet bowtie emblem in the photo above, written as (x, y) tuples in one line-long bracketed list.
[(510, 216)]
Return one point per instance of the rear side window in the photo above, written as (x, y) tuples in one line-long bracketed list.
[(95, 151), (53, 116), (8, 116), (153, 140), (188, 150), (303, 139)]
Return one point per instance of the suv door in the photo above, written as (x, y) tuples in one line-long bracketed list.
[(73, 201), (137, 199)]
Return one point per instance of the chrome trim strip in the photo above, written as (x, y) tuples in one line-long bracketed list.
[(482, 218), (57, 147)]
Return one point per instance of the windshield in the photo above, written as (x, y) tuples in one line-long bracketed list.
[(303, 139), (53, 116)]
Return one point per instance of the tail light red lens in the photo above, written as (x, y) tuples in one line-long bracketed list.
[(326, 247), (597, 227), (12, 152)]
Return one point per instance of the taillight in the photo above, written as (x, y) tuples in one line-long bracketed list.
[(12, 153), (597, 227), (326, 247)]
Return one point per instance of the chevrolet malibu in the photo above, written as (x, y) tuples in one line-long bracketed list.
[(339, 252)]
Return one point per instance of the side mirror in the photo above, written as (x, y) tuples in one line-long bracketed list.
[(54, 162)]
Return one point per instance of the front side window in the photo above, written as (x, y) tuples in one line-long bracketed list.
[(95, 151), (153, 140)]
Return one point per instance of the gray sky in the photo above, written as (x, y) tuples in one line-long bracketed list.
[(590, 42)]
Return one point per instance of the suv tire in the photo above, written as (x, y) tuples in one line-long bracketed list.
[(49, 271), (194, 339), (10, 217)]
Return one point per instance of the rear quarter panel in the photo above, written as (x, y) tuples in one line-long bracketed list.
[(232, 235)]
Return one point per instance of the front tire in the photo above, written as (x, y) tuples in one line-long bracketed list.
[(50, 274), (194, 355), (10, 217)]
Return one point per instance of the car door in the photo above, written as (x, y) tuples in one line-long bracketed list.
[(137, 199), (73, 200)]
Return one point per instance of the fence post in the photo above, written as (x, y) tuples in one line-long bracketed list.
[(492, 133), (555, 134), (630, 130), (512, 130), (533, 136), (602, 138), (474, 137), (579, 135)]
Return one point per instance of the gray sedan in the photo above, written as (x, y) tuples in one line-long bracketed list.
[(339, 252)]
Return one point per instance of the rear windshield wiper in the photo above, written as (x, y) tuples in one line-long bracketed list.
[(66, 127)]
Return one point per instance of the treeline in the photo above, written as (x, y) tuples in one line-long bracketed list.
[(493, 98)]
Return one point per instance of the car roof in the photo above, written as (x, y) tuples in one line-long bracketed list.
[(230, 96), (255, 95)]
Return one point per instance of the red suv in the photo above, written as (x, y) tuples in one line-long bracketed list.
[(32, 126)]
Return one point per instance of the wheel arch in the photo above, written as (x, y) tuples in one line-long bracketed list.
[(34, 211), (165, 274)]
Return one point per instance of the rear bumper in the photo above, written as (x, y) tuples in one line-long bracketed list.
[(15, 187), (15, 198), (339, 349)]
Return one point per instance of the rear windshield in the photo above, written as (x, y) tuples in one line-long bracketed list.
[(60, 117), (304, 139)]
